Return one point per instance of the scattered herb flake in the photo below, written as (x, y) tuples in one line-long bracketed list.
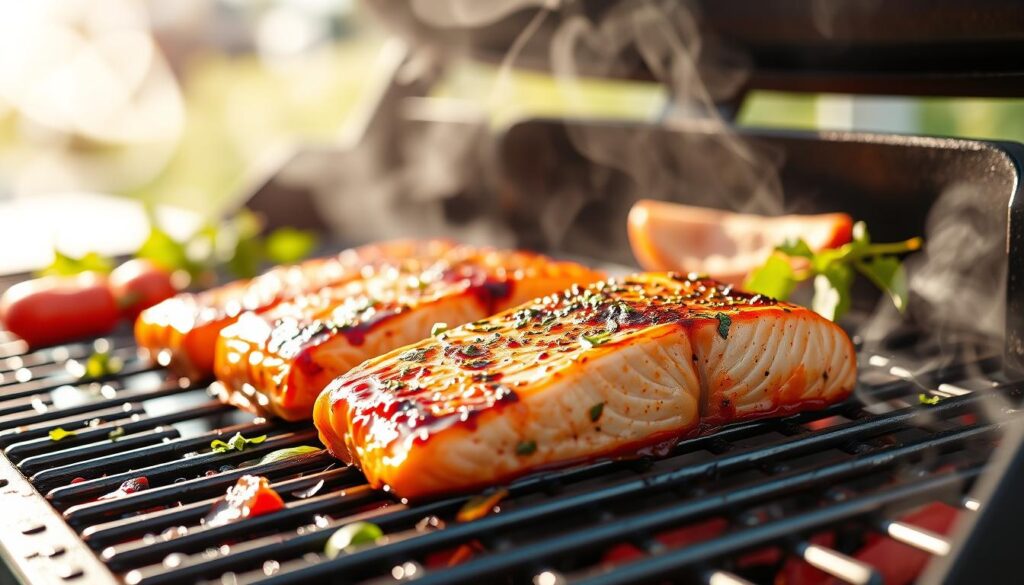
[(116, 434), (929, 400), (235, 443), (394, 384), (479, 506), (438, 329), (59, 434), (596, 411), (724, 321), (482, 327), (589, 341), (526, 448), (414, 355)]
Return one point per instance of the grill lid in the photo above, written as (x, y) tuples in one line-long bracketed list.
[(915, 47)]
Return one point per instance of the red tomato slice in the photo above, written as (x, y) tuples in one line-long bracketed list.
[(722, 244), (250, 496)]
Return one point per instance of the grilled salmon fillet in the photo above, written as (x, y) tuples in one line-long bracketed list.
[(278, 362), (182, 331), (596, 371)]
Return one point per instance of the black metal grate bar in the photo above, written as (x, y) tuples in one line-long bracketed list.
[(767, 479)]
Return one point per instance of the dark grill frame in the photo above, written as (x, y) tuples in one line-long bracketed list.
[(774, 465)]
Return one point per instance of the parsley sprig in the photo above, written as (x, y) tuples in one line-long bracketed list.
[(833, 271)]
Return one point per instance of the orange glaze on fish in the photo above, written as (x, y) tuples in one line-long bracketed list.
[(608, 369), (277, 362), (182, 331)]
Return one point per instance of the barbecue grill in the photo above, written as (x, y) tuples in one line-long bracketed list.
[(931, 433)]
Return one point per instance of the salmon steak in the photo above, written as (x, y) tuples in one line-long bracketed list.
[(182, 331), (604, 370), (277, 362)]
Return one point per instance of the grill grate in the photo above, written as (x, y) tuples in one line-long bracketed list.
[(764, 487)]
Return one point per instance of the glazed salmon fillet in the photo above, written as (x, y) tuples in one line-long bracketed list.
[(278, 362), (596, 371), (182, 331)]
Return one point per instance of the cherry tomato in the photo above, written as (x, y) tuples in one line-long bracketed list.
[(250, 496), (55, 309), (722, 244), (140, 284)]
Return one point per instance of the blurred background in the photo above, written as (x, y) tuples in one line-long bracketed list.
[(180, 103)]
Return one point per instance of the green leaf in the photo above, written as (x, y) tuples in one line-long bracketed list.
[(796, 248), (249, 253), (775, 278), (283, 454), (887, 273), (438, 329), (235, 443), (596, 411), (526, 448), (928, 400), (64, 265), (724, 321), (100, 365), (824, 260), (832, 291), (287, 245), (164, 250), (349, 537), (59, 434), (247, 258)]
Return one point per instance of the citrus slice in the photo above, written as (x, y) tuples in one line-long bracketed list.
[(722, 244)]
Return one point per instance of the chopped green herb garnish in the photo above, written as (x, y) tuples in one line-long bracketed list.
[(59, 434), (282, 454), (116, 434), (472, 350), (414, 355), (596, 411), (438, 329), (526, 448), (724, 321), (596, 339), (929, 400), (481, 327), (235, 443), (350, 537), (394, 384)]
